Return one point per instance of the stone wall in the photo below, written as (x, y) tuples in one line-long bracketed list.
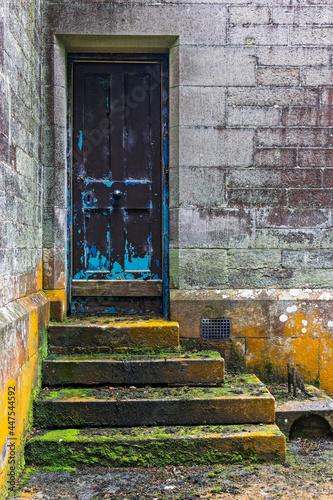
[(250, 162), (23, 309)]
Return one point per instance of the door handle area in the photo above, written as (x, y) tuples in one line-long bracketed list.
[(117, 194)]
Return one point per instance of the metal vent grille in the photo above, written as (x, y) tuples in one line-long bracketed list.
[(215, 328)]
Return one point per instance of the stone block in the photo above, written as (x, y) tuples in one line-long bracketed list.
[(193, 25), (55, 98), (55, 227), (202, 147), (55, 142), (271, 97), (289, 218), (248, 318), (252, 117), (174, 228), (307, 259), (202, 106), (269, 357), (55, 187), (313, 278), (174, 147), (55, 268), (247, 278), (174, 63), (202, 187), (156, 447), (287, 238), (277, 157), (174, 268), (254, 259), (283, 15), (314, 15), (300, 319), (258, 35), (215, 228), (173, 107), (251, 14), (307, 117), (202, 268), (317, 76), (306, 358), (316, 157), (311, 36), (327, 97), (174, 187), (256, 197), (292, 137), (281, 77), (217, 66), (326, 238), (110, 334), (318, 198), (172, 369), (293, 56), (273, 177)]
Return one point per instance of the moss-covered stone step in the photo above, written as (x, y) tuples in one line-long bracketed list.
[(157, 446), (107, 333), (240, 400), (166, 368)]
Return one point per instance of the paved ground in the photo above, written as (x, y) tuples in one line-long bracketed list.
[(307, 474)]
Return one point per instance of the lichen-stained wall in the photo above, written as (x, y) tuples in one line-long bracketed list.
[(250, 157), (23, 308)]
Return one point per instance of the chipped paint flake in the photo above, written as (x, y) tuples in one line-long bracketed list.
[(283, 318), (291, 309)]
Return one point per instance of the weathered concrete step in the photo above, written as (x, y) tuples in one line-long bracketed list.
[(203, 368), (107, 333), (240, 400), (156, 446), (311, 417)]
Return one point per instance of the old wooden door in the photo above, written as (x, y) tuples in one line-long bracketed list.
[(116, 185)]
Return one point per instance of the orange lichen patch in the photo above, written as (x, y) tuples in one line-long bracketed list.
[(300, 319), (249, 319), (262, 443), (306, 355), (58, 297), (31, 333), (326, 365), (269, 357), (15, 400)]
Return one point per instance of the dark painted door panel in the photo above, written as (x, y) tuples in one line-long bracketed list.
[(116, 171)]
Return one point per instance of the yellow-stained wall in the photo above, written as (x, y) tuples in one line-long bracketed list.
[(22, 345), (269, 327)]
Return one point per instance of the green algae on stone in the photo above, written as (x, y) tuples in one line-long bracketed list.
[(157, 446)]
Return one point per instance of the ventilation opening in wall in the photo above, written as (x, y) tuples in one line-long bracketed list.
[(215, 328)]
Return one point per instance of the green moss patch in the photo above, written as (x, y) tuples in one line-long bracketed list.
[(136, 355), (245, 386), (157, 446)]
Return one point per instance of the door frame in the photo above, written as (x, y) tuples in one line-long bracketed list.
[(163, 59)]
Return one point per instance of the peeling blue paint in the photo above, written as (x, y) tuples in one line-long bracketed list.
[(80, 143)]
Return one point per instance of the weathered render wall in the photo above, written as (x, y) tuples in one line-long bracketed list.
[(23, 309), (250, 162)]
